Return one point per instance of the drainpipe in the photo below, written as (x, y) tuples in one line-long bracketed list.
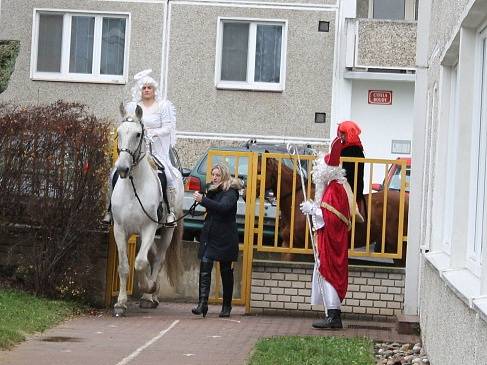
[(166, 30), (413, 255)]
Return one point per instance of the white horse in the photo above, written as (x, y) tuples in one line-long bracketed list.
[(135, 200)]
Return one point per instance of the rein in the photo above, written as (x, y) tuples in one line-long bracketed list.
[(191, 210)]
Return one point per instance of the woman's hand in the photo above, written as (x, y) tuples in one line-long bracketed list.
[(197, 196)]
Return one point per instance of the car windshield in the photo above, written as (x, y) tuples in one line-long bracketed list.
[(237, 165), (395, 183), (240, 165)]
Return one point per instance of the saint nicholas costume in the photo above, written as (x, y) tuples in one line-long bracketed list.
[(330, 213)]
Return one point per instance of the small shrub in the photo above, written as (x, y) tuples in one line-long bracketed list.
[(53, 170)]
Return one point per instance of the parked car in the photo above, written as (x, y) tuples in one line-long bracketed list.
[(393, 178), (196, 181)]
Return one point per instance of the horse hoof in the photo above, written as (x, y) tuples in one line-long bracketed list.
[(118, 312), (148, 304)]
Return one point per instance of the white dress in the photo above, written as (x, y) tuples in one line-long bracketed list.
[(160, 124)]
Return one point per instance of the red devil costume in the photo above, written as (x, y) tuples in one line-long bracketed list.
[(331, 219)]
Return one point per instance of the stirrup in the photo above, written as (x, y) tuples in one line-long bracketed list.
[(171, 219)]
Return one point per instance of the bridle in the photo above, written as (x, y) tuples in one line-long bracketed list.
[(136, 155)]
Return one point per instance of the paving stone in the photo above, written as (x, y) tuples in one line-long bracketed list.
[(102, 340)]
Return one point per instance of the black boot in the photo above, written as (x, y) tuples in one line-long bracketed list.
[(226, 272), (332, 321), (204, 289), (107, 218)]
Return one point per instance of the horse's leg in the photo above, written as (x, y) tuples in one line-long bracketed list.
[(285, 234), (121, 238), (142, 265), (156, 258), (160, 258)]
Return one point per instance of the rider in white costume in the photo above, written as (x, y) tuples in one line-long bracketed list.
[(159, 118)]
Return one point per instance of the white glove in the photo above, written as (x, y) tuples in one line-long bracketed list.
[(308, 207)]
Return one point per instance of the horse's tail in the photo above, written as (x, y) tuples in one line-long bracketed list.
[(173, 256)]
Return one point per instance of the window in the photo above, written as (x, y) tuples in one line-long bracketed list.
[(389, 9), (393, 9), (395, 183), (479, 177), (251, 54), (79, 46)]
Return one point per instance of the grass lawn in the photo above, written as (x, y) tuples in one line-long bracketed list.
[(313, 350), (22, 314)]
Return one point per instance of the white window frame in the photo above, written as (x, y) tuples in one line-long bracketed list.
[(477, 231), (452, 143), (250, 85), (409, 10), (64, 74)]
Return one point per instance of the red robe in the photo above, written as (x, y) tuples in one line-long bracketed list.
[(333, 239)]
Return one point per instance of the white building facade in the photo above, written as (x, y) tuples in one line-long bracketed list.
[(448, 209)]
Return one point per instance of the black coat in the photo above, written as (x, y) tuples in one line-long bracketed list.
[(219, 236), (354, 151)]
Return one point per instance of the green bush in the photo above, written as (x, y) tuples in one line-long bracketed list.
[(8, 54)]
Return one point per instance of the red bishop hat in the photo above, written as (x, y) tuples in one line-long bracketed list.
[(333, 158)]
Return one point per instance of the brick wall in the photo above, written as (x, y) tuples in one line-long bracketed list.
[(373, 292)]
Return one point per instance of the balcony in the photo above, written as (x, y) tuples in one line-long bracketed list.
[(380, 44)]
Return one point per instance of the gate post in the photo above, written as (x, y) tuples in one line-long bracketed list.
[(249, 227)]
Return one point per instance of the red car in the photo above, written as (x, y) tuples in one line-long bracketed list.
[(393, 178)]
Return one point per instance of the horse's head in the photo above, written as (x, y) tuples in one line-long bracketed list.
[(131, 144), (270, 177)]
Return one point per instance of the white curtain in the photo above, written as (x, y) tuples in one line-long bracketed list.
[(234, 51), (268, 53), (112, 46), (49, 43), (81, 50)]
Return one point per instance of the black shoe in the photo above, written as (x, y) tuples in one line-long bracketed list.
[(225, 312), (332, 322), (201, 308)]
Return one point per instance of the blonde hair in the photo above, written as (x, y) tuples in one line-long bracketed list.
[(226, 181)]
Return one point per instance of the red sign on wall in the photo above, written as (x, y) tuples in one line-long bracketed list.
[(381, 97)]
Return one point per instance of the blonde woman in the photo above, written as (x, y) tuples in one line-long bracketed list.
[(219, 236)]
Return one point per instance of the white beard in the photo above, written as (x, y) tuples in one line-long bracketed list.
[(323, 174)]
